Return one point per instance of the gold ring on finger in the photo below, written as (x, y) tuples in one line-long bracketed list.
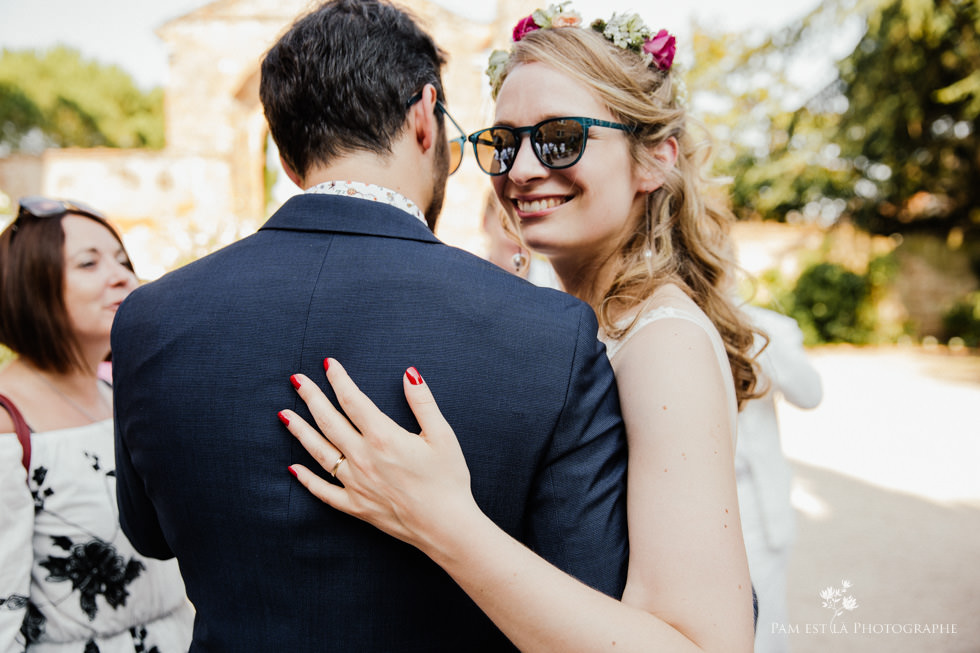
[(336, 465)]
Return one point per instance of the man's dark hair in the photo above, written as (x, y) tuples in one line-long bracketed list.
[(340, 80)]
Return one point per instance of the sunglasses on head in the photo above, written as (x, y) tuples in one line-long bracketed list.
[(557, 142), (45, 207), (455, 144)]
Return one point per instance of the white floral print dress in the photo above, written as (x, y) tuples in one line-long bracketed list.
[(70, 581)]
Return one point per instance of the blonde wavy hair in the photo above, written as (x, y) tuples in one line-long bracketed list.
[(684, 229)]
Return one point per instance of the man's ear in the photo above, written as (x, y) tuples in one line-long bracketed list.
[(665, 155), (423, 116), (293, 177)]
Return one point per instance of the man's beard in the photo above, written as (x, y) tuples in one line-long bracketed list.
[(438, 182)]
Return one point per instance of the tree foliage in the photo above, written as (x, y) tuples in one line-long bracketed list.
[(889, 141), (910, 128), (58, 99), (750, 92)]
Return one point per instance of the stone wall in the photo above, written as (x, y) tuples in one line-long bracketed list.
[(932, 278), (21, 174), (169, 206)]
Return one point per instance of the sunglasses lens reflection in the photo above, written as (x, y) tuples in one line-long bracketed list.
[(557, 144), (494, 150), (455, 155)]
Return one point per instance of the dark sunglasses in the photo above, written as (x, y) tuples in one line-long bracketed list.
[(45, 207), (557, 142), (455, 144)]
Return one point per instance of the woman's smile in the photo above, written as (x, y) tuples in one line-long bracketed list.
[(528, 207)]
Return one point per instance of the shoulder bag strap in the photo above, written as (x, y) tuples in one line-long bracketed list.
[(23, 431)]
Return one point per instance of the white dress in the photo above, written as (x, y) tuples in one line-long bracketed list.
[(69, 578)]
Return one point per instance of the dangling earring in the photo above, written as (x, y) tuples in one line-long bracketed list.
[(648, 251), (520, 261)]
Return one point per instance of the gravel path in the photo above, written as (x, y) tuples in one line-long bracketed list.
[(887, 492)]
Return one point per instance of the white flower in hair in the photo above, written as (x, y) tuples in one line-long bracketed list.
[(626, 31)]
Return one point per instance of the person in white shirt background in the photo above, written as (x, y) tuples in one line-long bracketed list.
[(763, 474)]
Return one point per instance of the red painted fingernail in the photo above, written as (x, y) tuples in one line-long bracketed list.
[(283, 418), (413, 376), (326, 364), (294, 381), (292, 471)]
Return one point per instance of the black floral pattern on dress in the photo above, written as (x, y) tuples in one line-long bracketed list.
[(33, 625), (139, 634), (93, 568), (94, 460), (40, 493), (14, 602), (97, 463)]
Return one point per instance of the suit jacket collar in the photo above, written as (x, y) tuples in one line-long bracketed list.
[(331, 213)]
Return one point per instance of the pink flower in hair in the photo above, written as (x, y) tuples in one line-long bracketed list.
[(523, 27), (662, 48)]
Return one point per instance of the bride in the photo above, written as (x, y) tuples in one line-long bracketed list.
[(592, 158)]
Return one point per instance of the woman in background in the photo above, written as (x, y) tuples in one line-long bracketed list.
[(69, 579)]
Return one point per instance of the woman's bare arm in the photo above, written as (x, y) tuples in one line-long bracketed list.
[(416, 488)]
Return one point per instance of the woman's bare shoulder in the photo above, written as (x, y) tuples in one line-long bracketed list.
[(10, 381)]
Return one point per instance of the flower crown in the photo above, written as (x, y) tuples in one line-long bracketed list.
[(626, 31)]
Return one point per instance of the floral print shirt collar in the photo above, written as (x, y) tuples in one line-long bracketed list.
[(370, 192)]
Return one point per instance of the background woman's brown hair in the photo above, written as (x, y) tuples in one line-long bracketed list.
[(34, 321)]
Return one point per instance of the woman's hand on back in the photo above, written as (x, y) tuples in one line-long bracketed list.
[(411, 486)]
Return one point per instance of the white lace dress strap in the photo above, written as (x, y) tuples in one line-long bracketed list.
[(613, 346)]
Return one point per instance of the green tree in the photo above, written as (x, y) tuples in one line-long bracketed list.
[(834, 304), (19, 115), (749, 89), (891, 141), (58, 99), (909, 132)]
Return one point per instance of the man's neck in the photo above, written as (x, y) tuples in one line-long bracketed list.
[(392, 172)]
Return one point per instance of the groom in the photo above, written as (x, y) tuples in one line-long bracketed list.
[(351, 269)]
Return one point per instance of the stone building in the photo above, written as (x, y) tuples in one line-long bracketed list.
[(212, 183)]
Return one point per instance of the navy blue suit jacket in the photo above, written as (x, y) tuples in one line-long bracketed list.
[(202, 359)]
